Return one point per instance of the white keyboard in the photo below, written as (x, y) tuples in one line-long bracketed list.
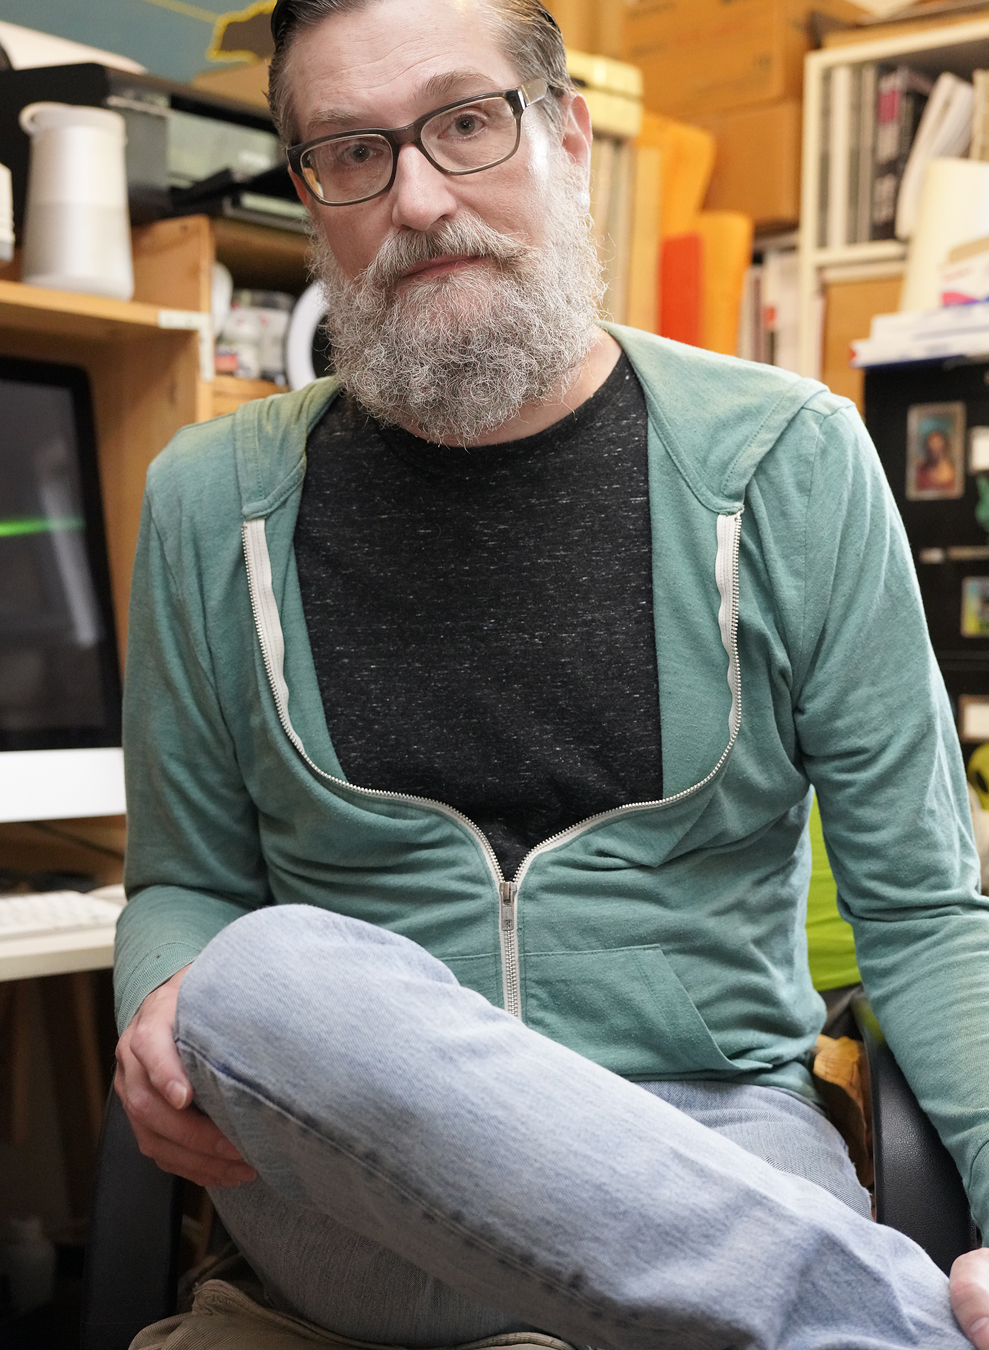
[(51, 912)]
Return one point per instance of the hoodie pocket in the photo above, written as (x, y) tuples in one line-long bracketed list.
[(624, 1008)]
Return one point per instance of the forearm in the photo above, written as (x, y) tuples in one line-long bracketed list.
[(159, 931)]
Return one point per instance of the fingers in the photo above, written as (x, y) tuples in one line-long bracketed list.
[(203, 1168), (969, 1284), (150, 1038), (157, 1096), (185, 1142)]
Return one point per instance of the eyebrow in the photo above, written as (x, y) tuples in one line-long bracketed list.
[(440, 87)]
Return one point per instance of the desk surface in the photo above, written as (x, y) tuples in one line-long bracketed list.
[(59, 952), (56, 953)]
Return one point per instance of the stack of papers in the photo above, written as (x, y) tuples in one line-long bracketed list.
[(925, 335)]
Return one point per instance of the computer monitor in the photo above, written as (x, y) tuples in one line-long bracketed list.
[(60, 752)]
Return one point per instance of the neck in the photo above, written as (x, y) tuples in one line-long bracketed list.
[(565, 399)]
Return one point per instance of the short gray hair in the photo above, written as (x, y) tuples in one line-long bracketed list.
[(527, 34)]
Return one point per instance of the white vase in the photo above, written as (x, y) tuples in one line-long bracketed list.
[(77, 226)]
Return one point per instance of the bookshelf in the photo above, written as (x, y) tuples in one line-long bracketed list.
[(959, 47), (150, 359)]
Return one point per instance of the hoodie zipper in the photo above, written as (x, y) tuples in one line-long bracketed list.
[(267, 623)]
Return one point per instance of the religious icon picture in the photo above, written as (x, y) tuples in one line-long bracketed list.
[(935, 451), (975, 607)]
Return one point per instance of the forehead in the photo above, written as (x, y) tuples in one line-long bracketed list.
[(391, 60)]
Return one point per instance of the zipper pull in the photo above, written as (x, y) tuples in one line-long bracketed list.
[(507, 891)]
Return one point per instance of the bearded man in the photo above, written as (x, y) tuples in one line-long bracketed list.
[(464, 958)]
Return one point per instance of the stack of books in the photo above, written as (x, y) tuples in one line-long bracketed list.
[(880, 126), (925, 335), (769, 317)]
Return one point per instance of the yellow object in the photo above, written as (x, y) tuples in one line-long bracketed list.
[(258, 12), (642, 300), (978, 773), (830, 941), (727, 252), (688, 159)]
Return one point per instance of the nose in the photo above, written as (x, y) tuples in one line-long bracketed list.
[(422, 196)]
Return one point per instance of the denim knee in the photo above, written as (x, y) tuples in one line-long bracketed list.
[(291, 974)]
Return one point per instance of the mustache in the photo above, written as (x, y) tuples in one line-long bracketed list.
[(467, 236)]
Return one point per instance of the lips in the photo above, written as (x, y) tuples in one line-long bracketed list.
[(446, 262)]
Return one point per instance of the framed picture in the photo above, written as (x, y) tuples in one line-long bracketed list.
[(975, 607), (935, 451)]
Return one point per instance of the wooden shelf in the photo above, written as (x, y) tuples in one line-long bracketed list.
[(32, 309), (229, 392), (148, 358), (268, 259), (878, 250)]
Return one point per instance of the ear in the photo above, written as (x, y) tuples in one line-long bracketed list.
[(302, 191), (577, 134)]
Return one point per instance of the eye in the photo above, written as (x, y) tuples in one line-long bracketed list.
[(349, 155), (462, 123), (354, 154)]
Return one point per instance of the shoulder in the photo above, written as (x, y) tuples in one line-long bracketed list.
[(238, 464), (720, 417)]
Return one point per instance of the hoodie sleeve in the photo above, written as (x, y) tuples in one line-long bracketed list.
[(193, 858), (879, 744)]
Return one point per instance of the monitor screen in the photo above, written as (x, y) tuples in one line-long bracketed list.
[(59, 677)]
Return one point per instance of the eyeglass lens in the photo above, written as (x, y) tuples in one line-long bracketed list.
[(463, 139)]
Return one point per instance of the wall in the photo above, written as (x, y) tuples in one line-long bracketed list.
[(170, 37)]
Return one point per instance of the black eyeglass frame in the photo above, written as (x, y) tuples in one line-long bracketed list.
[(517, 99)]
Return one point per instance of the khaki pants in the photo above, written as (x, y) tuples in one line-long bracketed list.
[(223, 1317)]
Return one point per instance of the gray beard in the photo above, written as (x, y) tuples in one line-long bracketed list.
[(455, 357)]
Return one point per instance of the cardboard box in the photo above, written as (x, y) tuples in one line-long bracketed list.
[(700, 57), (848, 312), (578, 22), (757, 163)]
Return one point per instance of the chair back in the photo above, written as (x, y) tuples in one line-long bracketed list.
[(132, 1251)]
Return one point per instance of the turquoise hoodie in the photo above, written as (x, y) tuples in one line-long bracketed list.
[(664, 939)]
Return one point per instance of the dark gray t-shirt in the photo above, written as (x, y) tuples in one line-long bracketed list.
[(481, 620)]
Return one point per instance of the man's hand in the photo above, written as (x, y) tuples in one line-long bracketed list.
[(970, 1295), (157, 1097)]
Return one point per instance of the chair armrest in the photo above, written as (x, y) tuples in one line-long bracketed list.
[(132, 1251), (918, 1189)]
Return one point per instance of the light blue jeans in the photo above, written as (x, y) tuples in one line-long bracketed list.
[(431, 1171)]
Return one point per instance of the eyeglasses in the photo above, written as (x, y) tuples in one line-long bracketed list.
[(459, 138)]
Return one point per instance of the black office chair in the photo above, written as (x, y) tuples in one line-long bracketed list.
[(132, 1256)]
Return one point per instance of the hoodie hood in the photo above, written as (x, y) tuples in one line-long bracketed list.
[(714, 454)]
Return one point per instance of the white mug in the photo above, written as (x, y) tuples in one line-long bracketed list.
[(77, 227)]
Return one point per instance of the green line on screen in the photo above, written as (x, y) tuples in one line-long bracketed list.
[(39, 525)]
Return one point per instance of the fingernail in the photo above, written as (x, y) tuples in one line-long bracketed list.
[(977, 1326), (177, 1094)]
